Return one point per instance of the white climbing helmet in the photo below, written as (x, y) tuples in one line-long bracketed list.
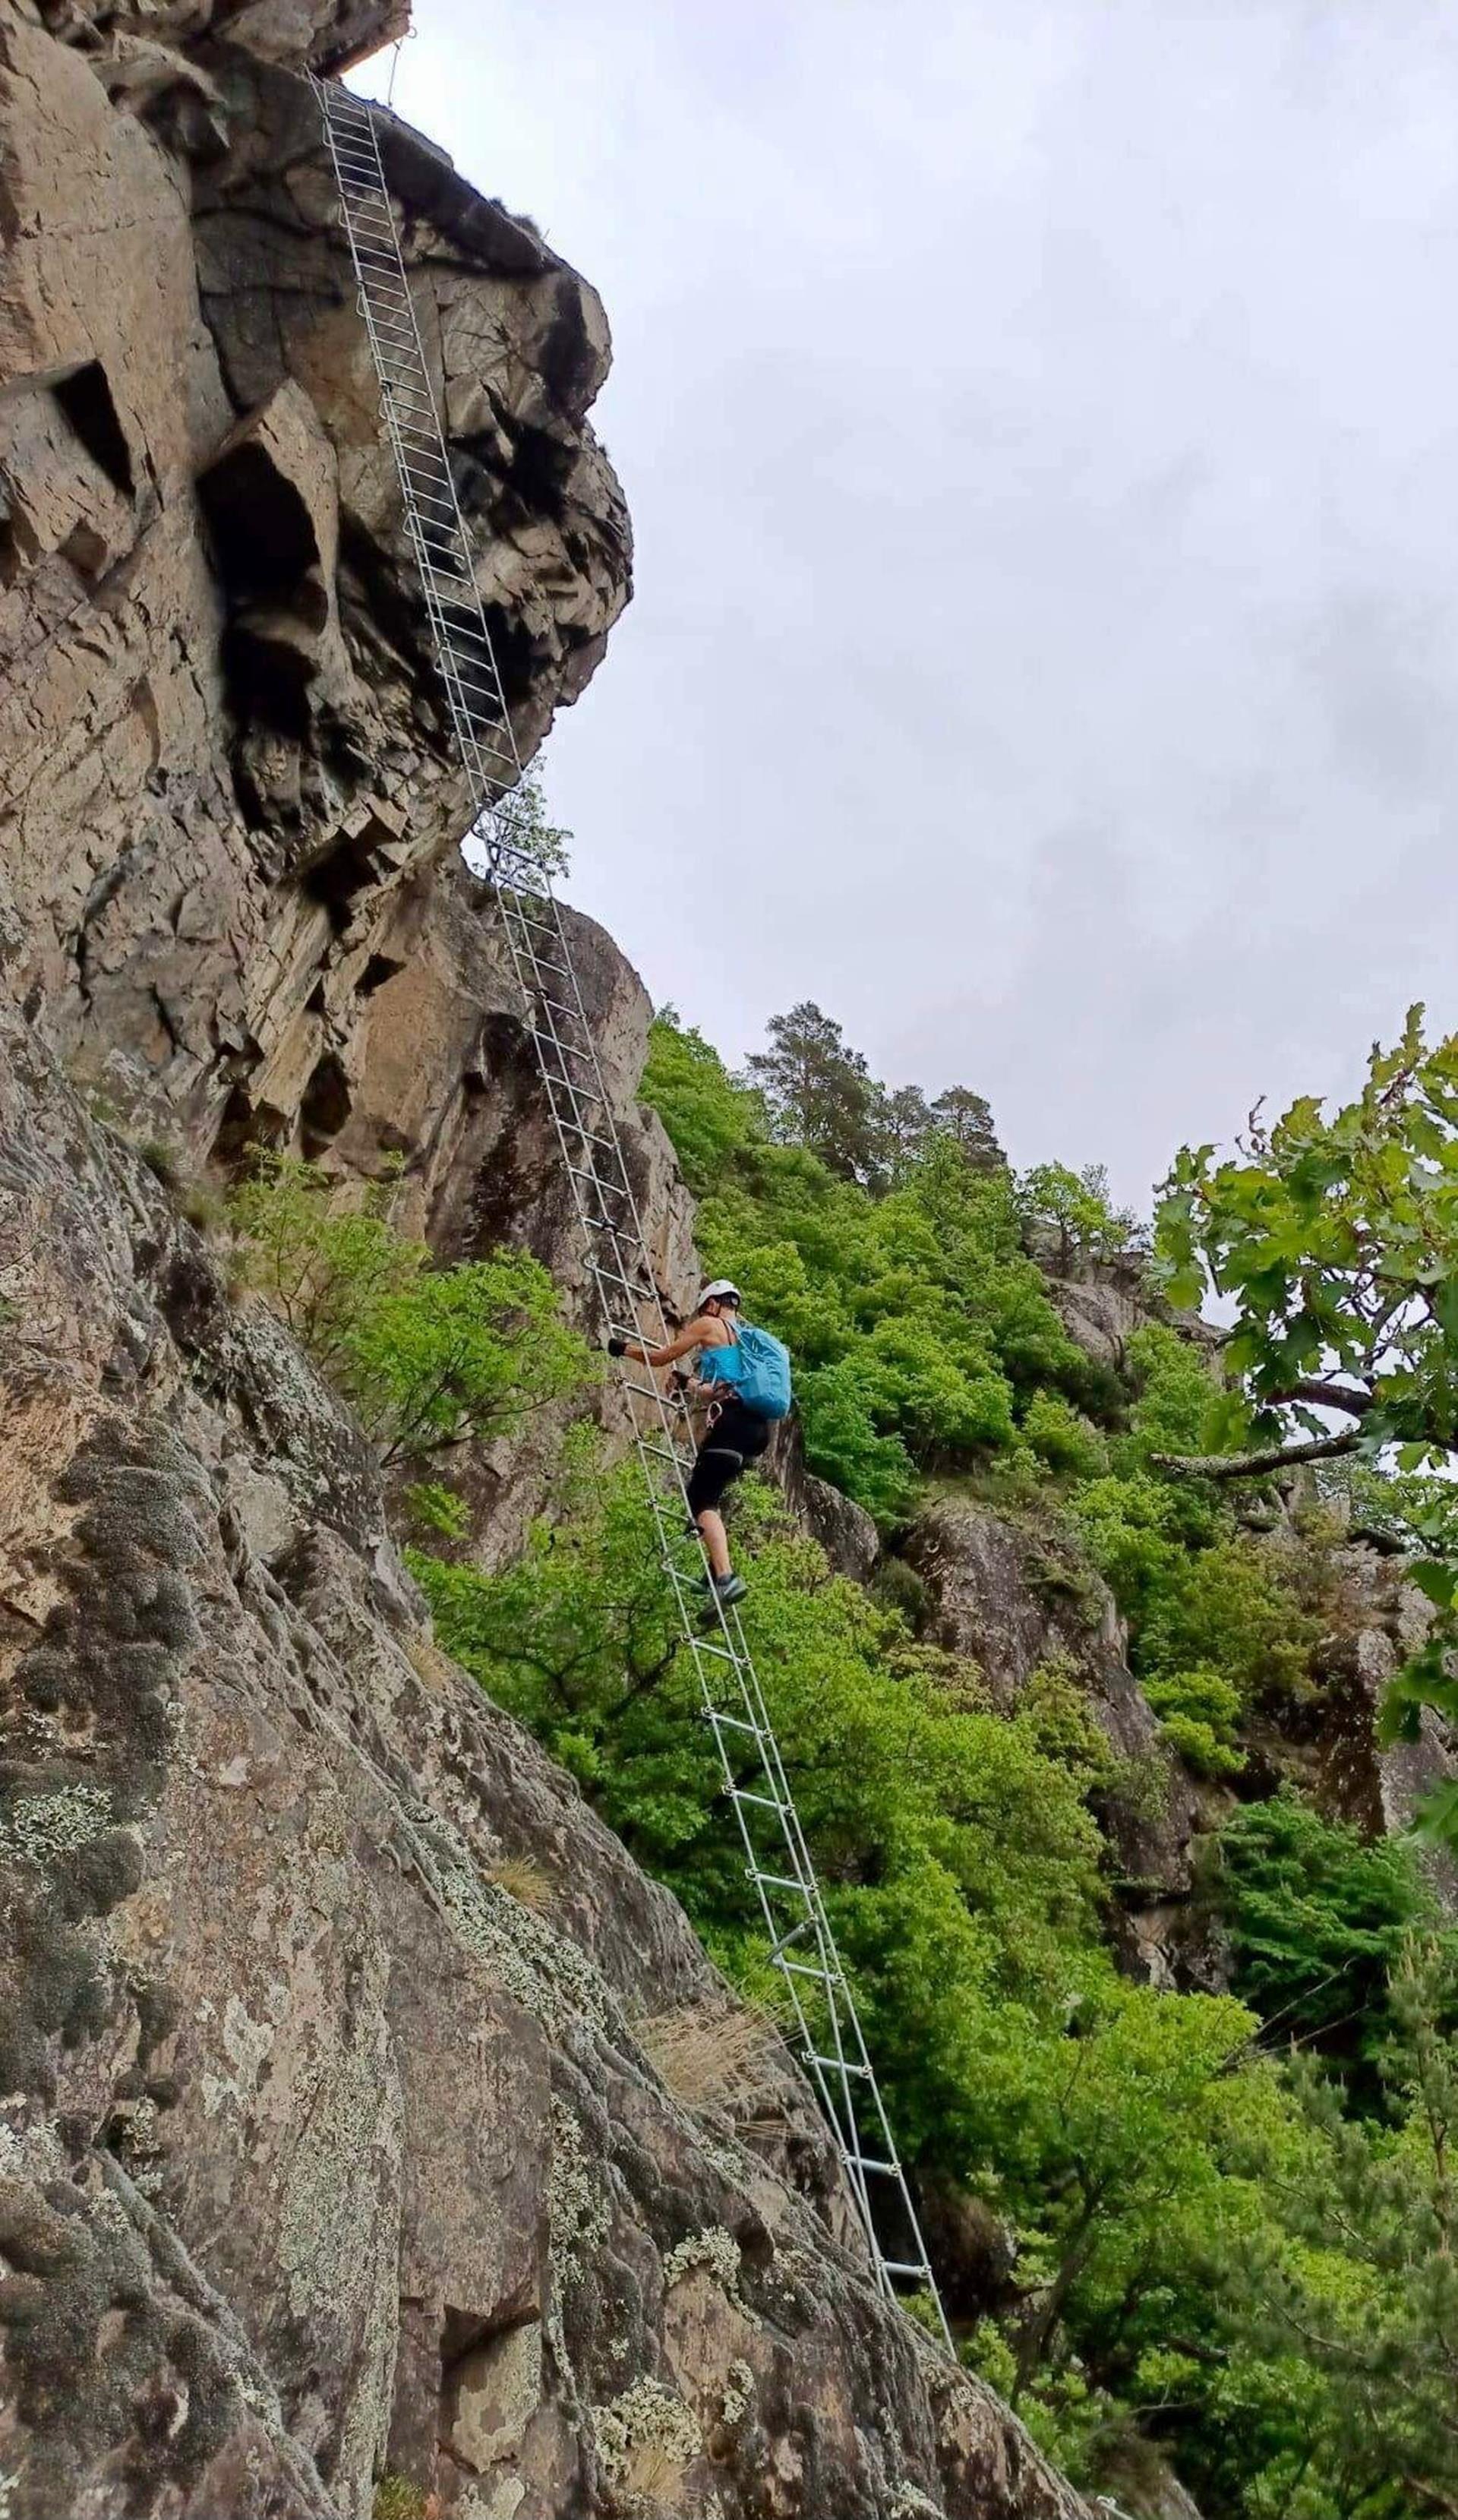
[(721, 1290)]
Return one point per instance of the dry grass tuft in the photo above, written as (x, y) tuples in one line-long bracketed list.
[(433, 1669), (651, 2482), (707, 2052), (529, 1883)]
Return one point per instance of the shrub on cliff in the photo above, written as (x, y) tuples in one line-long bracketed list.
[(432, 1359)]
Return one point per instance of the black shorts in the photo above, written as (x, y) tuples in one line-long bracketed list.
[(738, 1435)]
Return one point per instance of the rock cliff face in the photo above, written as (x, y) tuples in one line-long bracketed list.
[(222, 747), (344, 2131), (337, 2146)]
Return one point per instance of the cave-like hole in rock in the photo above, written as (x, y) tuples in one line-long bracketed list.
[(512, 647), (268, 677), (379, 969), (244, 1127), (341, 872), (86, 402), (325, 1108), (539, 472), (269, 565), (263, 537)]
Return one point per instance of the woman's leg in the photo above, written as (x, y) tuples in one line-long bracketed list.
[(712, 1534)]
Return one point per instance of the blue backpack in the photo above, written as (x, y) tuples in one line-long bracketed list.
[(755, 1368)]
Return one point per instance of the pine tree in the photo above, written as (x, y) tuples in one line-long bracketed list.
[(966, 1116), (819, 1092)]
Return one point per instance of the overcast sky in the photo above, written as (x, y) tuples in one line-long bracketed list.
[(1040, 427)]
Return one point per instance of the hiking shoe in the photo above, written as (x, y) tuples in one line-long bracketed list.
[(729, 1588)]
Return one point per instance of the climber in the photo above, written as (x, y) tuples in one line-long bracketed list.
[(744, 1375)]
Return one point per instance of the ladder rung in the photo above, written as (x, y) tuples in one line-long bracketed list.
[(406, 352), (421, 487), (474, 681), (553, 1008), (842, 2065), (781, 1882), (554, 1044), (730, 1723), (611, 1190), (880, 2169), (566, 1084), (485, 719), (641, 1294), (765, 1802), (593, 1140), (921, 2273), (805, 1968), (778, 1950)]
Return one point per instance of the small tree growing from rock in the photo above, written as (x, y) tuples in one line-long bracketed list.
[(432, 1359)]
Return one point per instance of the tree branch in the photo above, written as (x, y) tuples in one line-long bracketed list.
[(1255, 1465), (1326, 1395)]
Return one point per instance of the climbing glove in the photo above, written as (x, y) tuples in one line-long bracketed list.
[(617, 1346)]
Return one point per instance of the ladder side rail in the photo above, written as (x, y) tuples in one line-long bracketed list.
[(851, 2055), (548, 898), (406, 302), (842, 1997), (407, 308)]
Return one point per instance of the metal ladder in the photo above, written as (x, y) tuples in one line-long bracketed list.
[(827, 2030)]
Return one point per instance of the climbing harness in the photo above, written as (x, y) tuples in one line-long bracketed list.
[(827, 2030)]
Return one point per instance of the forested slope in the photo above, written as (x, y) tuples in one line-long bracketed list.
[(1164, 2016)]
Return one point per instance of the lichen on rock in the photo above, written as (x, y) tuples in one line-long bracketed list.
[(646, 2417)]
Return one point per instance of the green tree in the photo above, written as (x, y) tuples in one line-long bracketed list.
[(1335, 1238), (1072, 1215), (460, 1356), (1061, 1438), (710, 1118), (319, 1261), (966, 1119), (1318, 1919), (1358, 2280), (903, 1124), (522, 821), (819, 1092), (1200, 1716), (1130, 2111)]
